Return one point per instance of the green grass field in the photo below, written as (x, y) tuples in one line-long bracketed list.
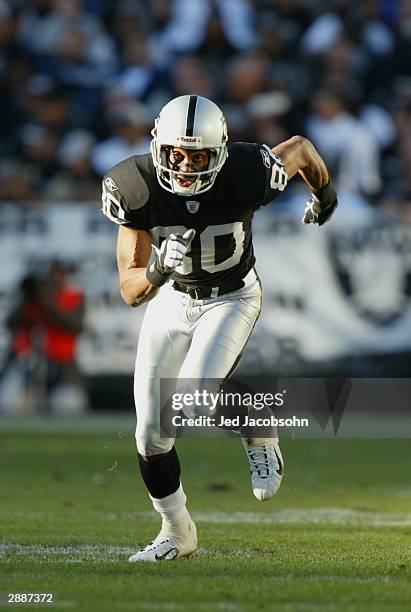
[(336, 537)]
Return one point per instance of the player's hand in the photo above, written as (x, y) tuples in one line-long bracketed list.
[(161, 266), (321, 206), (173, 250)]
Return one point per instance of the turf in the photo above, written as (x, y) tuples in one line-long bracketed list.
[(337, 536)]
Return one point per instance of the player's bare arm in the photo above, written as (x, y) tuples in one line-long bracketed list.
[(299, 155), (133, 253), (142, 271)]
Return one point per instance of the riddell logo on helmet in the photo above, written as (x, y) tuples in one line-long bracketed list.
[(190, 140)]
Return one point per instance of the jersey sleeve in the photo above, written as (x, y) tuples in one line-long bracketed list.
[(257, 174), (276, 177), (123, 196)]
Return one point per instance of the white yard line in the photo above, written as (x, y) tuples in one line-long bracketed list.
[(108, 554), (292, 516), (71, 553)]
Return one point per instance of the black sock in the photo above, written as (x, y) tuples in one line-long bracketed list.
[(161, 476)]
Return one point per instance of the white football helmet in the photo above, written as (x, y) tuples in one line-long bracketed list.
[(189, 122)]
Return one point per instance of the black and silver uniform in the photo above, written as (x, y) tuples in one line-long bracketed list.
[(222, 250)]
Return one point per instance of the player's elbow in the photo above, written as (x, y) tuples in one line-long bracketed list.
[(128, 293), (128, 298), (308, 150), (135, 298), (304, 152), (302, 146), (298, 140)]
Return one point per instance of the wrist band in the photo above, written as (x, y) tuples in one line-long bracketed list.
[(326, 195), (155, 276)]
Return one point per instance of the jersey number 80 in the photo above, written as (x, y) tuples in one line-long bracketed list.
[(212, 255)]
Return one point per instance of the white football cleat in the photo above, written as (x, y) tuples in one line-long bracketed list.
[(173, 541), (266, 466)]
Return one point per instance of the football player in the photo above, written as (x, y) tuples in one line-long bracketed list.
[(184, 213)]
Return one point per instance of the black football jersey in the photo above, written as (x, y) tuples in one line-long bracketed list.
[(222, 249)]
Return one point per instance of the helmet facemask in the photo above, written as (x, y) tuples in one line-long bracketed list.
[(167, 172)]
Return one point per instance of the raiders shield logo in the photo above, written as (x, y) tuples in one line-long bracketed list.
[(192, 206), (373, 266)]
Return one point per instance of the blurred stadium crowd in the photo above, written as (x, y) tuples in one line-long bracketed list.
[(82, 80), (81, 83)]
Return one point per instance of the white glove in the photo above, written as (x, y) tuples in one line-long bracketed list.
[(312, 210), (161, 266), (321, 206), (173, 250)]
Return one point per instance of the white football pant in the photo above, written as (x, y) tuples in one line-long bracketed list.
[(185, 338)]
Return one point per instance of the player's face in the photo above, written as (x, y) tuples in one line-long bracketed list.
[(188, 161)]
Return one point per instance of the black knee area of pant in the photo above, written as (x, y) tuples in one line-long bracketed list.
[(161, 476)]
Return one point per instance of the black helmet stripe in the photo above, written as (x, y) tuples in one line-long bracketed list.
[(191, 115)]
